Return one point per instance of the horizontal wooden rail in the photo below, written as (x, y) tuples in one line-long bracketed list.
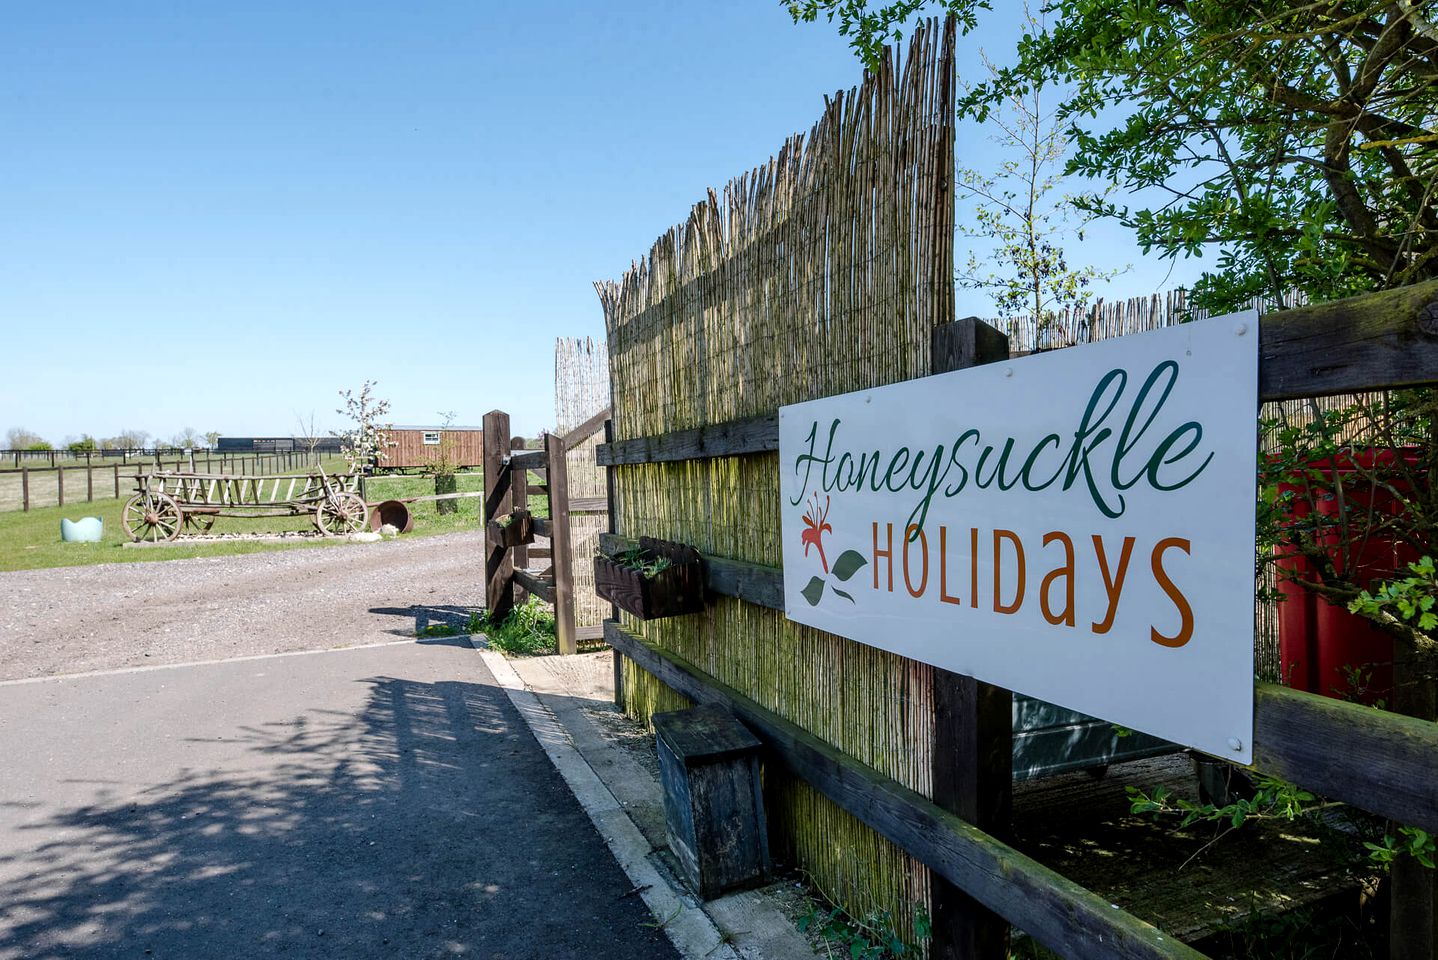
[(535, 584), (1374, 341), (1054, 910), (752, 435), (429, 496), (589, 505), (1384, 762), (1302, 737), (529, 460), (753, 582), (586, 429)]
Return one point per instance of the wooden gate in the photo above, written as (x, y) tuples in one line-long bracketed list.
[(512, 474)]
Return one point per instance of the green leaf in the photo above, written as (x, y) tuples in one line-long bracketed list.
[(841, 593), (848, 564), (813, 591)]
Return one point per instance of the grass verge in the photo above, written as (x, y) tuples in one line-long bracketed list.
[(527, 631)]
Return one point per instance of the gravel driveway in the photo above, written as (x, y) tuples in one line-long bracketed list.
[(78, 619)]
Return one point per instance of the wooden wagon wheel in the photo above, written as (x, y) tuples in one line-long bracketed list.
[(341, 513), (201, 522), (153, 517)]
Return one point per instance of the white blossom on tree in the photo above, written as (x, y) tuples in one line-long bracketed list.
[(367, 441)]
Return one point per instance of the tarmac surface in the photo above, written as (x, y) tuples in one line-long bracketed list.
[(376, 801)]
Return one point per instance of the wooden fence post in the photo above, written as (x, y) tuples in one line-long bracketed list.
[(89, 482), (25, 488), (613, 608), (973, 727), (116, 468), (498, 565), (561, 557), (519, 500), (1413, 903), (60, 485)]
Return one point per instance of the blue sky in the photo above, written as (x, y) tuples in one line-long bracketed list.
[(218, 215)]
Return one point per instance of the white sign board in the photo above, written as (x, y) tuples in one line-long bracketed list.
[(1077, 526)]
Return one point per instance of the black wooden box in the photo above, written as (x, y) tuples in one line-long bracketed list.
[(713, 800)]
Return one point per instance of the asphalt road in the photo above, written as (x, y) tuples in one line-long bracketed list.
[(378, 801)]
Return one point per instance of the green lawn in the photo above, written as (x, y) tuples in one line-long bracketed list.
[(30, 541)]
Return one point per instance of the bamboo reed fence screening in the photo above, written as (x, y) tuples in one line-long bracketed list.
[(581, 390), (823, 271)]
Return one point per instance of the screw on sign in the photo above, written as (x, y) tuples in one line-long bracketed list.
[(1428, 319)]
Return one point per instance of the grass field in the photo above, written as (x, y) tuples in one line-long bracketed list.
[(30, 541)]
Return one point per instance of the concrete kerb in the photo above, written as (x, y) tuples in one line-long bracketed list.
[(685, 922)]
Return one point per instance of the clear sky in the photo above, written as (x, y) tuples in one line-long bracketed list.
[(216, 215)]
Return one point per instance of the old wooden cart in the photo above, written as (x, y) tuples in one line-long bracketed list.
[(168, 503)]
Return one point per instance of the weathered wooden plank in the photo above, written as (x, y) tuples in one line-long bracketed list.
[(613, 528), (1412, 894), (589, 505), (535, 584), (498, 501), (973, 748), (589, 633), (1383, 762), (753, 582), (1055, 911), (1368, 342), (529, 460), (562, 559), (586, 429), (519, 493), (751, 435)]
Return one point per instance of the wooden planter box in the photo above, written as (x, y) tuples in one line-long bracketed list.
[(677, 590), (518, 532)]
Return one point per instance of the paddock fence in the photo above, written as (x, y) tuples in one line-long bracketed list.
[(88, 477)]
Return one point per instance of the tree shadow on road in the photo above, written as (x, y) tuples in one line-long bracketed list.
[(431, 824)]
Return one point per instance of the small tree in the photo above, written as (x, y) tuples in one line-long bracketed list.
[(367, 442), (187, 439), (1022, 213), (445, 464), (308, 435), (86, 444), (212, 439)]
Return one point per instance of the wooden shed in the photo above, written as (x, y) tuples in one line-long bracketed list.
[(415, 448)]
